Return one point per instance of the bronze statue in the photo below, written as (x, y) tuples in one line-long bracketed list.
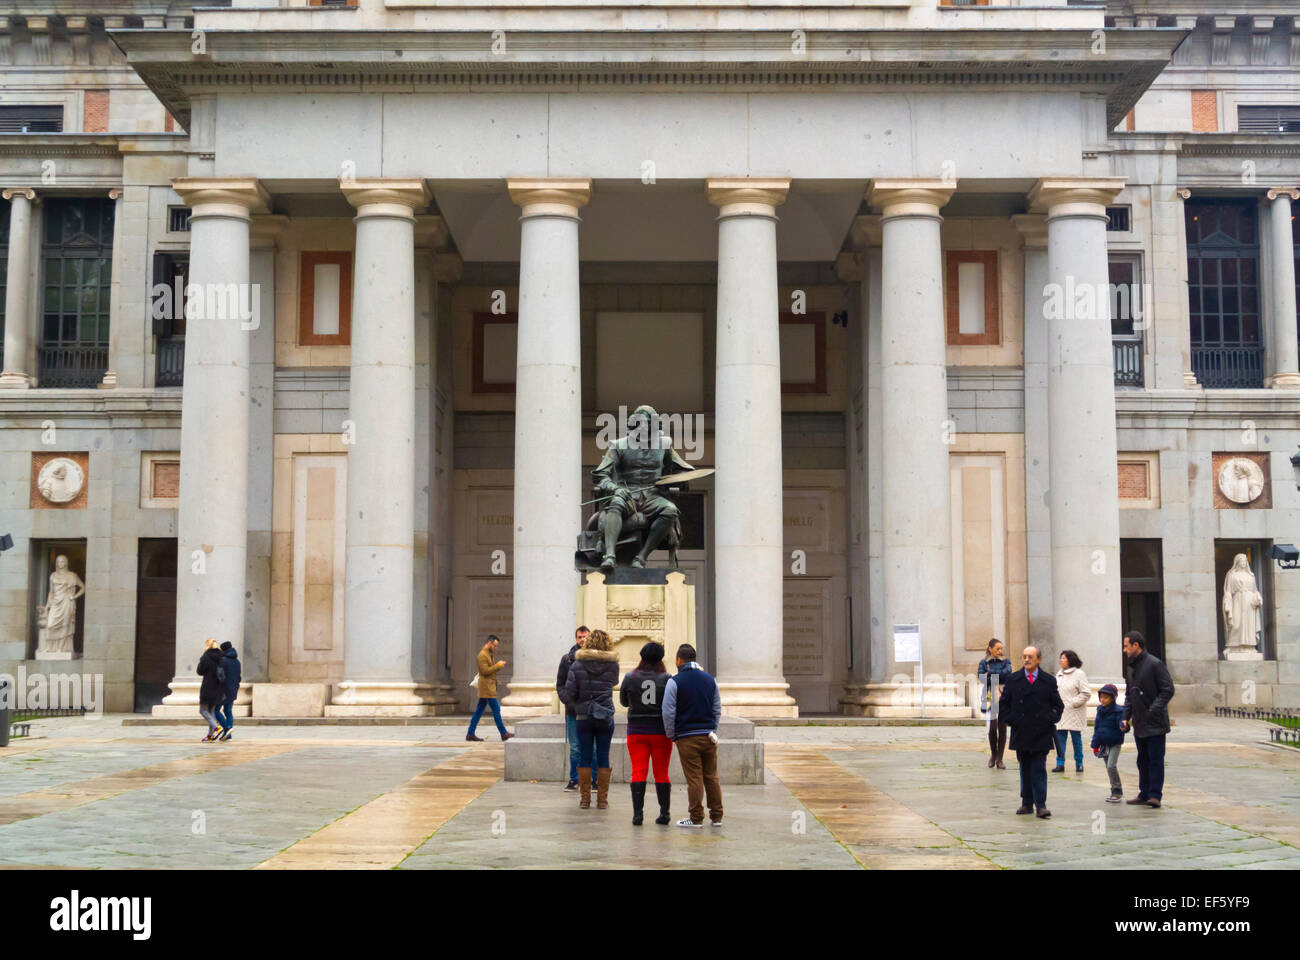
[(632, 498)]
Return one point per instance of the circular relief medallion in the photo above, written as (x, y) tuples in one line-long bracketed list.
[(1241, 480), (60, 480)]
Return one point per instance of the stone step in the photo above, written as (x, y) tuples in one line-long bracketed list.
[(552, 728), (547, 760)]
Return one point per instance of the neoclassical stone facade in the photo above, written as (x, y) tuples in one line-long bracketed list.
[(969, 311)]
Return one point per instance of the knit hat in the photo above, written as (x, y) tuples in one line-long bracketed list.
[(1110, 690), (652, 652), (226, 645)]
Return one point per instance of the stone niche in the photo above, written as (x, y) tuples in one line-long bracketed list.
[(636, 614)]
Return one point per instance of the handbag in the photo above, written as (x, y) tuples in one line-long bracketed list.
[(474, 683)]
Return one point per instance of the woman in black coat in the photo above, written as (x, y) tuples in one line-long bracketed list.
[(642, 692), (589, 689), (212, 689)]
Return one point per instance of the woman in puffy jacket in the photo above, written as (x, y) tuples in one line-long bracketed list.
[(994, 672), (1072, 684), (589, 689), (642, 693)]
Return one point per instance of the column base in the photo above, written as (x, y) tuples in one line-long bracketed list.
[(9, 380), (1283, 381), (109, 382), (1242, 653), (529, 698), (183, 701), (1190, 382), (757, 700), (902, 699), (386, 698)]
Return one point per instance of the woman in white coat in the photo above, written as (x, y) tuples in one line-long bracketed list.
[(1072, 684)]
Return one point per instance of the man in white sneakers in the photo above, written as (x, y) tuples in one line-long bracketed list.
[(692, 709)]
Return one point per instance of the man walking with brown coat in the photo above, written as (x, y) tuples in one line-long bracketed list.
[(488, 666)]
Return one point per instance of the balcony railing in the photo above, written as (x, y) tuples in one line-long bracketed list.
[(1128, 361), (171, 362), (1225, 368), (81, 365)]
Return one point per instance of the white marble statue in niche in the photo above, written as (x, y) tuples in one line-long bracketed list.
[(57, 617), (1241, 612)]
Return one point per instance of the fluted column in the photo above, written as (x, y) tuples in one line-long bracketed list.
[(548, 435), (15, 375), (916, 496), (212, 537), (1083, 491), (378, 670), (115, 292), (1286, 349), (747, 506)]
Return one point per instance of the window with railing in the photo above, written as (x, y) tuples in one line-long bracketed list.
[(167, 307), (1223, 292), (1126, 319), (77, 265)]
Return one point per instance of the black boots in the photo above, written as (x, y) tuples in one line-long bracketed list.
[(638, 803), (664, 791)]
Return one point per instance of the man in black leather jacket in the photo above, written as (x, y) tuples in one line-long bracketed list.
[(1147, 694)]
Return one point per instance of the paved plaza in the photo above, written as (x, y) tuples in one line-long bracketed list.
[(95, 793)]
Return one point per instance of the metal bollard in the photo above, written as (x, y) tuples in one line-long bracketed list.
[(5, 693)]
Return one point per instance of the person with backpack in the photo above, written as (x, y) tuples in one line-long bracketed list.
[(230, 672), (589, 689), (642, 693), (212, 687)]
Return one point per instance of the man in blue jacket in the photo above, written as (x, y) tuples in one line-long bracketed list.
[(692, 709), (231, 674)]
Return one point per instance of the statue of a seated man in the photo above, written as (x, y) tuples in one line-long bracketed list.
[(627, 475)]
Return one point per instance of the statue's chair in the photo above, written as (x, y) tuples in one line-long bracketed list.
[(591, 542)]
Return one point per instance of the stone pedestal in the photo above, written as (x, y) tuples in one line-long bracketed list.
[(944, 700), (183, 701), (636, 614), (539, 751), (290, 699), (1242, 652)]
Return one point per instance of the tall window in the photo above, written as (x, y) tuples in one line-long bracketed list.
[(77, 261), (1223, 290), (1127, 313)]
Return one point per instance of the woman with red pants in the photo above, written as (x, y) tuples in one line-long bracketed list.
[(642, 693)]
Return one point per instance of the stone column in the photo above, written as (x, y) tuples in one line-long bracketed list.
[(917, 517), (548, 436), (1038, 520), (379, 675), (1083, 490), (15, 375), (212, 536), (115, 293), (1286, 350), (748, 533)]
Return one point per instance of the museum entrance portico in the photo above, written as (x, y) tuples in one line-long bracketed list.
[(431, 495)]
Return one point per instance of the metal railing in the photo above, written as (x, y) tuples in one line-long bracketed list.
[(1128, 361), (1257, 713), (1229, 367), (1283, 735), (171, 362), (72, 366)]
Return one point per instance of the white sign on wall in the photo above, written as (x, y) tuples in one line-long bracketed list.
[(907, 643)]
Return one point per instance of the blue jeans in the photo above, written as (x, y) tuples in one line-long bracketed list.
[(225, 716), (1077, 737), (575, 752), (478, 713), (1033, 779), (594, 737), (1151, 766)]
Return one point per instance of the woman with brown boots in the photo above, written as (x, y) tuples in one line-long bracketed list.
[(994, 672), (589, 689)]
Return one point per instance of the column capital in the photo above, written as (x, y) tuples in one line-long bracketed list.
[(549, 196), (447, 267), (743, 197), (910, 197), (1291, 192), (386, 196), (266, 229), (866, 232), (222, 196), (10, 192), (1033, 230), (1182, 193), (1074, 196), (116, 193)]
